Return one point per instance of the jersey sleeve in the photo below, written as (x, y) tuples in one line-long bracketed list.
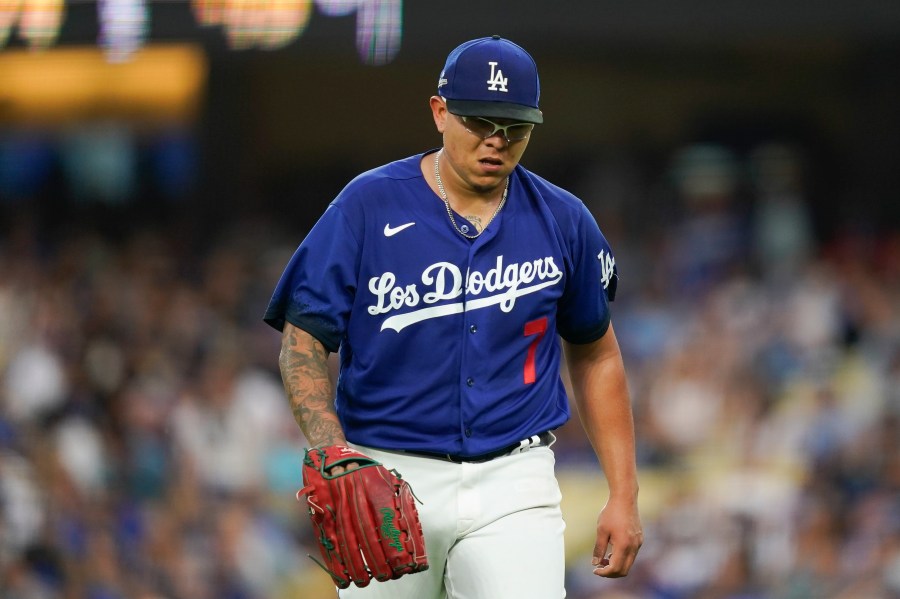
[(318, 285), (592, 280)]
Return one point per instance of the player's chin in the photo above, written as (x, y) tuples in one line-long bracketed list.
[(485, 185), (486, 180)]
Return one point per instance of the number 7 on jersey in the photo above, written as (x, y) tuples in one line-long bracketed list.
[(538, 328)]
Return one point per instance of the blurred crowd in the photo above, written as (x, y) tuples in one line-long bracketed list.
[(147, 450)]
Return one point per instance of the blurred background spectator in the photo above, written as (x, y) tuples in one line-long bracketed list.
[(742, 163)]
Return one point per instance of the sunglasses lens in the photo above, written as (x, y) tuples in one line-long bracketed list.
[(518, 132), (480, 127)]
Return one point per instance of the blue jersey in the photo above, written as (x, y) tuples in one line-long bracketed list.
[(448, 344)]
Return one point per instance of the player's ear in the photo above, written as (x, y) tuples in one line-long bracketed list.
[(439, 112)]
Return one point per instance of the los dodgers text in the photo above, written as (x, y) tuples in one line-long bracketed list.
[(444, 281)]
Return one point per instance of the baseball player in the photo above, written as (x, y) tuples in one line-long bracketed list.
[(451, 283)]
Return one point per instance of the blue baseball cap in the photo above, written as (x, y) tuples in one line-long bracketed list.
[(491, 77)]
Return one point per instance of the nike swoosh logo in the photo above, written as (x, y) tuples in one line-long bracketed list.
[(390, 232)]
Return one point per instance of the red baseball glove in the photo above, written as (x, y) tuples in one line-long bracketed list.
[(365, 519)]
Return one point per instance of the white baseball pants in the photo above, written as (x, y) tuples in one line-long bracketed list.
[(493, 530)]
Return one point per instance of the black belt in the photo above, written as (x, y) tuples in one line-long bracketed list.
[(540, 440)]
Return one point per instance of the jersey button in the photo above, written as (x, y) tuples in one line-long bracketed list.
[(473, 328), (470, 381), (468, 432)]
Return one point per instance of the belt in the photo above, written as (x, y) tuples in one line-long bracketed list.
[(542, 439)]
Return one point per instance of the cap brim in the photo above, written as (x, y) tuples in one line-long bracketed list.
[(500, 110)]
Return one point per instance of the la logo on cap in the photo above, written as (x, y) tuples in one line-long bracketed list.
[(497, 79)]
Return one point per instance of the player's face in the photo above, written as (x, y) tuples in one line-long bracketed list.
[(480, 160)]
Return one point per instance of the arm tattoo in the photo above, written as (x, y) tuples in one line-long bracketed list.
[(304, 369)]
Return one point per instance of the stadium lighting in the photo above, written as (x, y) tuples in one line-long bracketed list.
[(246, 24)]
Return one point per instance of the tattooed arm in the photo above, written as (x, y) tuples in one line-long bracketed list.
[(304, 369)]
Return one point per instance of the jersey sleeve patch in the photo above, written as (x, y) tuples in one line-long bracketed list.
[(609, 274)]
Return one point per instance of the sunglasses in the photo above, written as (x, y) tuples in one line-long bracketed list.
[(485, 128)]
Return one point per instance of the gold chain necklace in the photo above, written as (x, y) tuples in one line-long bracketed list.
[(440, 184)]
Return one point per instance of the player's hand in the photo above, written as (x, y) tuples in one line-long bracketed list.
[(619, 537)]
